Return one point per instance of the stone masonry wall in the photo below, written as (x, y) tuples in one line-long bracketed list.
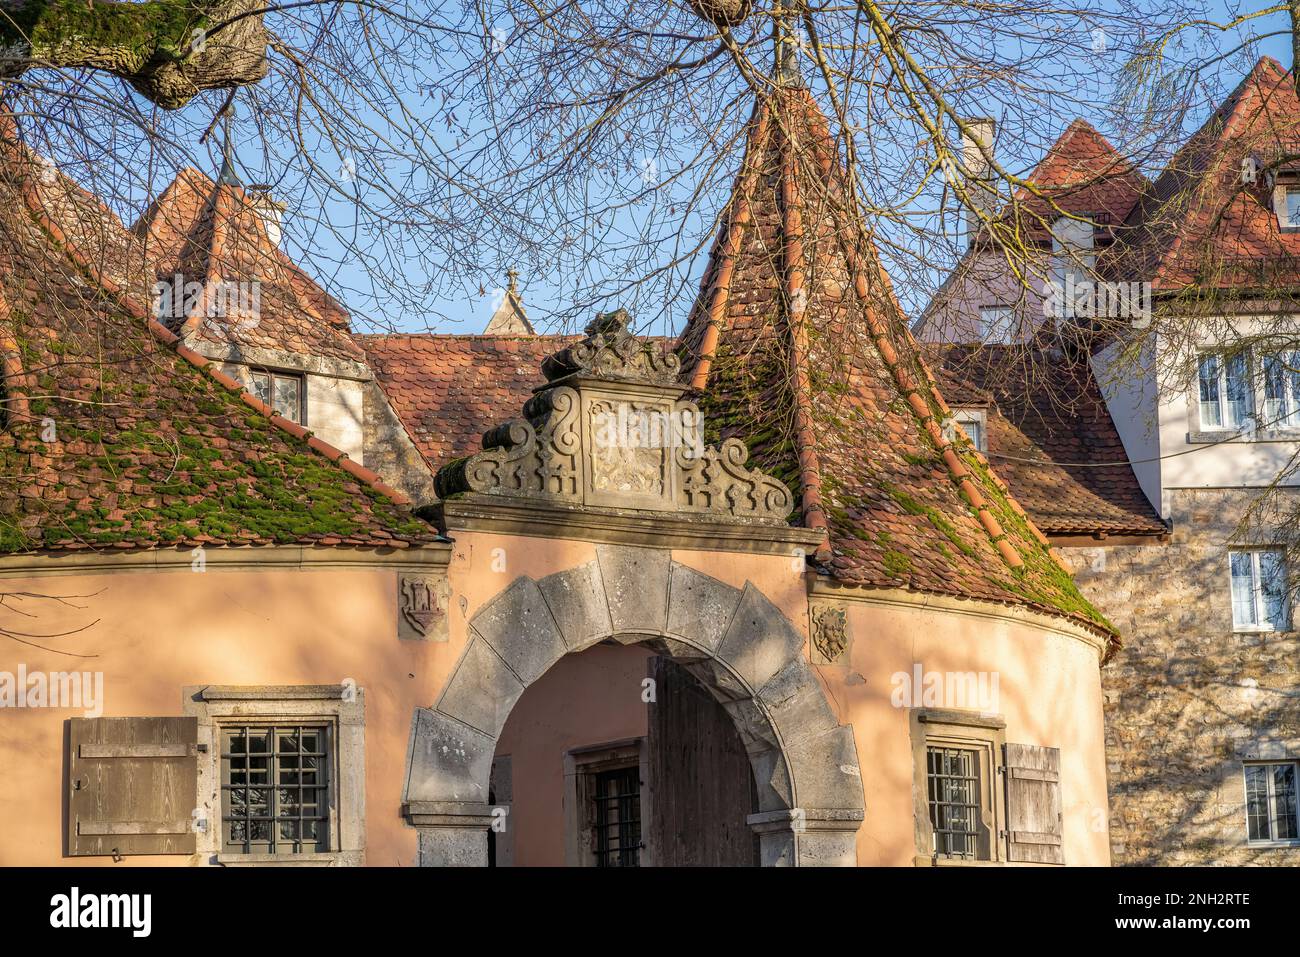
[(1187, 700)]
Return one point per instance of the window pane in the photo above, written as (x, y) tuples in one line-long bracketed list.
[(997, 323), (262, 386), (1257, 803), (1275, 389), (1272, 585), (1236, 390), (953, 786), (288, 402), (1243, 589), (1293, 207), (1211, 416), (974, 430), (1284, 802)]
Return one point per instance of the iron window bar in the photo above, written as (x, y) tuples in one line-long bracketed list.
[(275, 789), (618, 818), (953, 786)]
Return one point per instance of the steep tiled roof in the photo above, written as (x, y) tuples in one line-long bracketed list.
[(114, 435), (448, 390), (1198, 224), (1082, 174), (798, 347), (212, 234), (1048, 431)]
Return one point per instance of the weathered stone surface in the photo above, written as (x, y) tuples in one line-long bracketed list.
[(482, 690), (751, 724), (636, 585), (1187, 700), (760, 641), (519, 627), (772, 779), (577, 601), (827, 848), (699, 606), (453, 847), (449, 761), (826, 770), (796, 703)]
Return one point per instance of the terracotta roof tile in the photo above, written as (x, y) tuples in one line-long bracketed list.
[(800, 349), (116, 436), (1048, 430)]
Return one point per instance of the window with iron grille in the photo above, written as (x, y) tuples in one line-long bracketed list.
[(616, 817), (274, 789), (954, 795)]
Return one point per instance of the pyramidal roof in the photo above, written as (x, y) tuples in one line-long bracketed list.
[(215, 234), (1198, 224), (798, 347)]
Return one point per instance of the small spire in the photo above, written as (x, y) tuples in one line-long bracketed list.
[(785, 48), (510, 318), (513, 276), (228, 176)]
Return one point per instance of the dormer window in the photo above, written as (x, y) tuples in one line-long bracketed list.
[(1290, 211), (283, 392), (971, 422)]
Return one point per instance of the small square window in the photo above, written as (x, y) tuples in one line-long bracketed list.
[(1271, 803), (283, 392), (997, 324), (970, 421), (1259, 590), (275, 789)]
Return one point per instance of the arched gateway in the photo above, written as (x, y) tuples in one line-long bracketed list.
[(610, 442)]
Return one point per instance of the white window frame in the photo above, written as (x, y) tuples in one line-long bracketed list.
[(1285, 217), (1271, 803), (963, 417), (1221, 385), (999, 330), (1260, 624), (1286, 414)]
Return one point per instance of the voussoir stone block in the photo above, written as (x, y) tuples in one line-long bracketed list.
[(760, 641), (636, 585), (772, 780), (577, 601), (796, 703), (699, 606), (483, 689), (826, 770), (450, 761), (519, 627)]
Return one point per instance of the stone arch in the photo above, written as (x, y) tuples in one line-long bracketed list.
[(734, 640)]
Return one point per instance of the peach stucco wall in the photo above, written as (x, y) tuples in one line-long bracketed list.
[(1049, 692), (157, 632), (585, 700)]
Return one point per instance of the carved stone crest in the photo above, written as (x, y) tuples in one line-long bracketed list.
[(422, 607), (612, 429), (830, 632)]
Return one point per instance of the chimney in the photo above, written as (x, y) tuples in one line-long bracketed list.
[(976, 150)]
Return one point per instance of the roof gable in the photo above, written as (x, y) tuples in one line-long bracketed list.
[(116, 436)]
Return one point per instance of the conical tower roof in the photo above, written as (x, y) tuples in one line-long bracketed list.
[(798, 347)]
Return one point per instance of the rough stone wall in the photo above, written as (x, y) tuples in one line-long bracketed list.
[(389, 450), (1187, 700)]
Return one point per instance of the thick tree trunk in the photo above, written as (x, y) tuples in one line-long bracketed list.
[(169, 50)]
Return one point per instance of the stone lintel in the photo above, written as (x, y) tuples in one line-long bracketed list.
[(511, 516)]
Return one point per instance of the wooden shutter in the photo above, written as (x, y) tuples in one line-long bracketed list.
[(1034, 804), (133, 785)]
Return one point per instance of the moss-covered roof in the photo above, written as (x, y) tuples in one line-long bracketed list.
[(798, 347), (115, 436)]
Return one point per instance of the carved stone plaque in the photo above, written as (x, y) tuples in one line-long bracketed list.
[(422, 604), (830, 633)]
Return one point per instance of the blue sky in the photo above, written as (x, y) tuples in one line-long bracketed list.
[(463, 309)]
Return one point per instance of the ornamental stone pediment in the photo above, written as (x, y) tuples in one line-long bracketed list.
[(612, 429)]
